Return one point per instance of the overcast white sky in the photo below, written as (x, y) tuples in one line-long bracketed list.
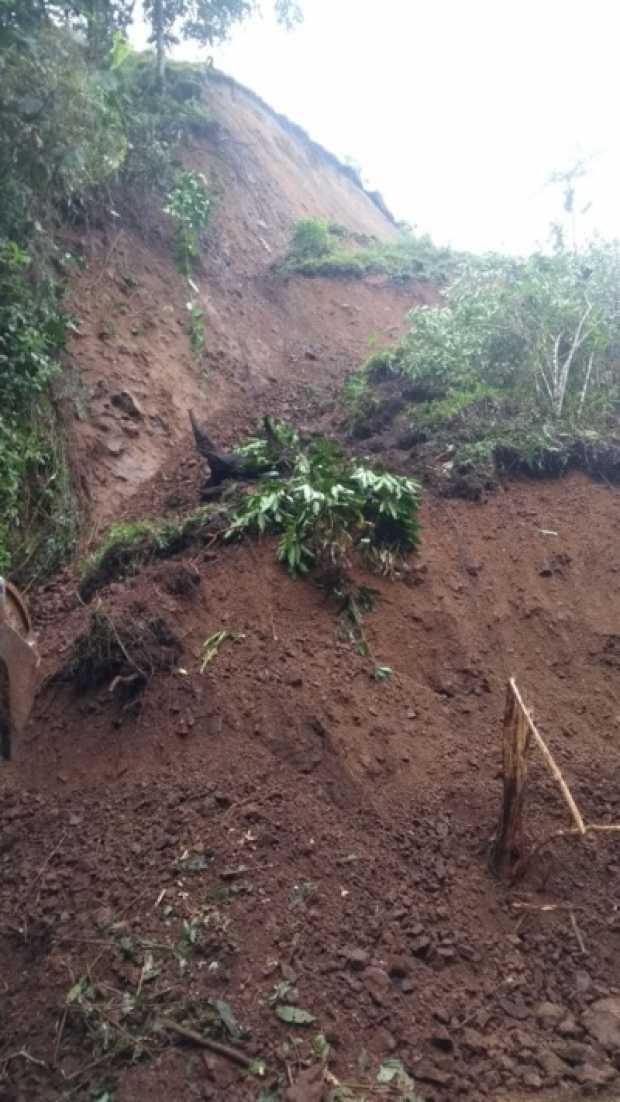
[(457, 110)]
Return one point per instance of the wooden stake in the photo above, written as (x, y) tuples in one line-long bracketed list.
[(508, 845), (549, 760), (507, 856)]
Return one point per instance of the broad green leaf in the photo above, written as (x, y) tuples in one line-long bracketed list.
[(227, 1018), (294, 1015)]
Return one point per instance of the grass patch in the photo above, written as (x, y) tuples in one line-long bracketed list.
[(128, 547), (320, 249)]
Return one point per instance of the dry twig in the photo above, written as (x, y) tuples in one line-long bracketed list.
[(577, 933), (230, 1053)]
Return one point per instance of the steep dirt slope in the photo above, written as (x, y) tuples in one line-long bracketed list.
[(266, 337), (283, 828)]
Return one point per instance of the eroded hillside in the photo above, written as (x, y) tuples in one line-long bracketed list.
[(272, 344), (286, 829)]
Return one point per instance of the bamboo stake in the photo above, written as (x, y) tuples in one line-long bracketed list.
[(550, 761), (507, 847)]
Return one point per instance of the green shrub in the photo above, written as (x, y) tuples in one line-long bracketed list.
[(545, 330), (458, 406), (319, 249), (310, 239), (35, 482), (517, 369), (61, 135), (189, 205), (331, 507)]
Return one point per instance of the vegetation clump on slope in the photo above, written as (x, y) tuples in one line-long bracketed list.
[(517, 370), (318, 248), (330, 507), (129, 546), (326, 509)]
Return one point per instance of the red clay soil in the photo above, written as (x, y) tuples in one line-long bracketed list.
[(283, 829), (337, 827)]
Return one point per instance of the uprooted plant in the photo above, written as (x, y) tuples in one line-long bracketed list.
[(327, 509), (330, 508), (328, 512), (121, 652)]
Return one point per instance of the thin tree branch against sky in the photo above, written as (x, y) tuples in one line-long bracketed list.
[(457, 110)]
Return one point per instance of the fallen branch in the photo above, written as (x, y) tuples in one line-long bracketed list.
[(23, 1054), (230, 1053), (538, 907), (114, 1054)]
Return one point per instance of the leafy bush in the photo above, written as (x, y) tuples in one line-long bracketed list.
[(154, 122), (310, 239), (319, 249), (330, 507), (545, 329), (77, 139), (189, 205), (517, 369), (34, 478), (61, 135)]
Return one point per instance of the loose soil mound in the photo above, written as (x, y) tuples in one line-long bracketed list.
[(328, 833)]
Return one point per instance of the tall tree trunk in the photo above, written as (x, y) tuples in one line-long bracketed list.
[(160, 49)]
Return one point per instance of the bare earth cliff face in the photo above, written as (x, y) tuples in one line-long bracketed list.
[(264, 335), (283, 829)]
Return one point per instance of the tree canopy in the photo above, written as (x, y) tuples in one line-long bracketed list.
[(204, 21)]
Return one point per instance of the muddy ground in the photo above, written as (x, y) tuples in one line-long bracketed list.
[(283, 829), (326, 835)]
